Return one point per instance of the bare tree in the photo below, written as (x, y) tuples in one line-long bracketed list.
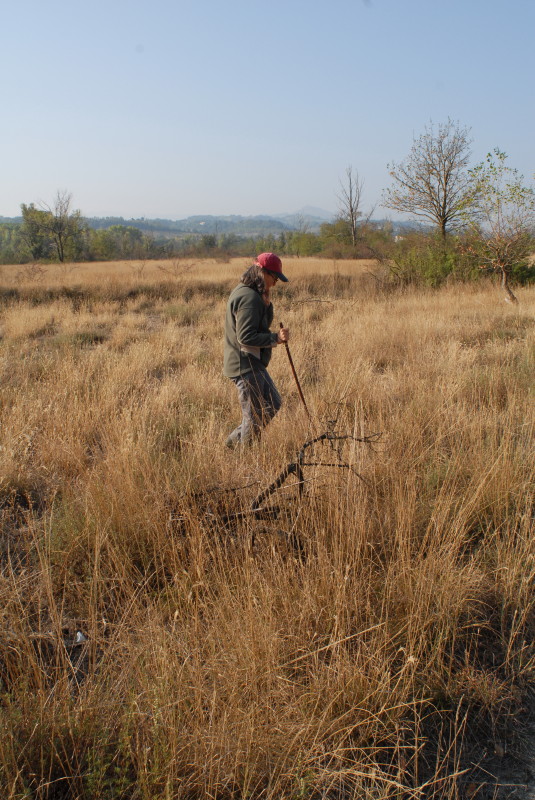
[(302, 225), (433, 181), (61, 223), (350, 199)]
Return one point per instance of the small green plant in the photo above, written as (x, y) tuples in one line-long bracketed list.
[(417, 260)]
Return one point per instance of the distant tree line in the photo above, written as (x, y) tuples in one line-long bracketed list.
[(42, 238), (466, 222)]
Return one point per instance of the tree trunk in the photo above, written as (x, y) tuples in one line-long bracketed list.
[(510, 297)]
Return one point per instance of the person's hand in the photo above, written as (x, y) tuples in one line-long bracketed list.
[(284, 335)]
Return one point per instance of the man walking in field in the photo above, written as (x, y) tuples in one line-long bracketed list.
[(248, 346)]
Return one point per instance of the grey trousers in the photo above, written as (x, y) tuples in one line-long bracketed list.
[(259, 400)]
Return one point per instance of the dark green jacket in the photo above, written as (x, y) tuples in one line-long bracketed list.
[(247, 326)]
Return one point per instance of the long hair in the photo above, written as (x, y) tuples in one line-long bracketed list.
[(254, 278)]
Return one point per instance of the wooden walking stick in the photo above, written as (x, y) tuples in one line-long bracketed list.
[(295, 377)]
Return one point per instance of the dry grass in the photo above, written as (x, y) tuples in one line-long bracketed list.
[(221, 662)]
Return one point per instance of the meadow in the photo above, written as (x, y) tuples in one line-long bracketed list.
[(159, 640)]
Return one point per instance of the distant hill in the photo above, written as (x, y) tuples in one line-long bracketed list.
[(199, 224), (320, 213), (258, 225), (308, 218)]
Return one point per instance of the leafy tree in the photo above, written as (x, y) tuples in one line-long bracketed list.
[(503, 227), (302, 243), (51, 227), (125, 242), (13, 249), (35, 231), (103, 245), (267, 244), (433, 182), (209, 241), (335, 238)]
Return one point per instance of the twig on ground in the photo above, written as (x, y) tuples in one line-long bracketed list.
[(296, 467), (334, 440)]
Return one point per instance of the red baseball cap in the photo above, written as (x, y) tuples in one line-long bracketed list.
[(271, 263)]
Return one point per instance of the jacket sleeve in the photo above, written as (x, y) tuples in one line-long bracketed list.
[(248, 319)]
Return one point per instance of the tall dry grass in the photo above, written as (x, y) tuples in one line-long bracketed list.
[(222, 660)]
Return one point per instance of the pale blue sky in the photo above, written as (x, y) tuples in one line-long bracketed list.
[(245, 107)]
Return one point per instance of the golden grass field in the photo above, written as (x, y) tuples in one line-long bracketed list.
[(223, 660)]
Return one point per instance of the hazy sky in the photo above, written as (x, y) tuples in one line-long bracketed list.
[(171, 108)]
